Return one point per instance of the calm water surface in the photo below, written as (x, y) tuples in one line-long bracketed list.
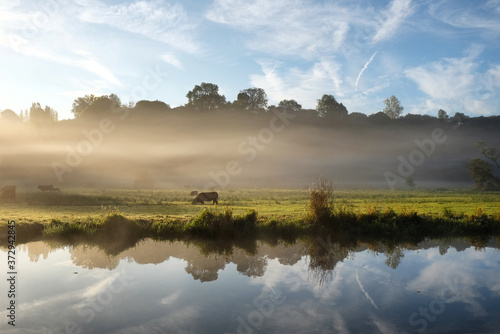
[(309, 286)]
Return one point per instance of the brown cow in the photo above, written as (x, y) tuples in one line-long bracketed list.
[(8, 193), (47, 187), (202, 197)]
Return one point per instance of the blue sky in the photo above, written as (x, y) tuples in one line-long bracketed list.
[(430, 54)]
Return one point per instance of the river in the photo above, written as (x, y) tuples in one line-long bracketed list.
[(310, 285)]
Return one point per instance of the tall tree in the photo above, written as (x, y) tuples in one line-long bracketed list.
[(242, 101), (82, 103), (290, 105), (393, 107), (152, 106), (40, 117), (481, 170), (117, 103), (205, 97), (489, 152), (482, 174), (442, 115), (100, 107), (254, 99), (459, 117), (329, 107), (94, 106)]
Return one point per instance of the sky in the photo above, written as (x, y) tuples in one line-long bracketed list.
[(430, 54)]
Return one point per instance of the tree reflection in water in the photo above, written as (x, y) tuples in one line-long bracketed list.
[(206, 257), (324, 255)]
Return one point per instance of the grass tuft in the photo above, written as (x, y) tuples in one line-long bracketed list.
[(448, 213), (56, 228)]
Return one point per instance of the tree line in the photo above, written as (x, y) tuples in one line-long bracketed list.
[(206, 97)]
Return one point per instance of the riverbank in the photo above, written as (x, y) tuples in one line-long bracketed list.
[(281, 213), (222, 223)]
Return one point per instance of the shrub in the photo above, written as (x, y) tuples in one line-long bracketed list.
[(117, 226), (210, 222), (320, 207)]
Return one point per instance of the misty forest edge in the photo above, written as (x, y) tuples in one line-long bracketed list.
[(208, 108)]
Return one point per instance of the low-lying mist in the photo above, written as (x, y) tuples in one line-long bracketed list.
[(224, 150)]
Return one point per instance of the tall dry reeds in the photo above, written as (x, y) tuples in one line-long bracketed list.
[(321, 201)]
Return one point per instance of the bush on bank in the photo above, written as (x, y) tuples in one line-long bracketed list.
[(214, 223)]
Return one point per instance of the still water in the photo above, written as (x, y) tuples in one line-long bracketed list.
[(316, 285)]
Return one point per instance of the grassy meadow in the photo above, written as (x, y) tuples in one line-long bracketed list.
[(268, 208)]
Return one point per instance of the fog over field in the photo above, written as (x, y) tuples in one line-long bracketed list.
[(229, 149)]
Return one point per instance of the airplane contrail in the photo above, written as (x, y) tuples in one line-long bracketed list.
[(364, 68), (267, 74), (366, 293)]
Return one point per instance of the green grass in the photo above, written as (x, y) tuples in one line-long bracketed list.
[(88, 212)]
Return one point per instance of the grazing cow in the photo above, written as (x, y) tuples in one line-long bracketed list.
[(202, 197), (8, 193), (47, 187), (194, 192)]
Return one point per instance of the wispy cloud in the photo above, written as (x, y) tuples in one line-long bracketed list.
[(286, 27), (91, 64), (363, 69), (493, 5), (156, 19), (79, 59), (483, 16), (449, 78), (457, 83), (172, 60), (20, 34), (395, 15), (323, 76)]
